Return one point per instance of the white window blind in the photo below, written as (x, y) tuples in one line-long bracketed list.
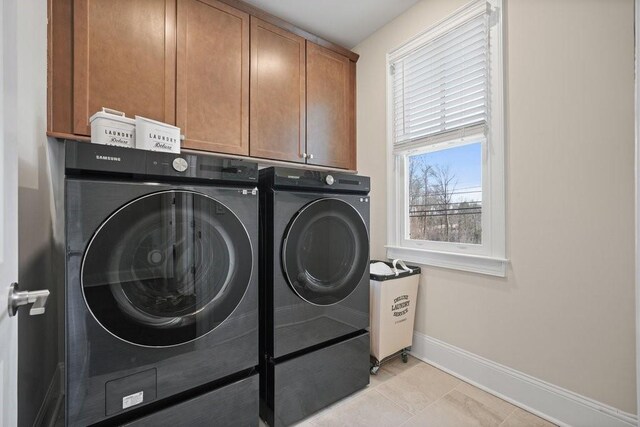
[(440, 87)]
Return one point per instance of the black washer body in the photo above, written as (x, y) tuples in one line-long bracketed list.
[(161, 285)]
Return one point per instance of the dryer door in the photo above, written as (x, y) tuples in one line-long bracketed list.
[(166, 268), (325, 251)]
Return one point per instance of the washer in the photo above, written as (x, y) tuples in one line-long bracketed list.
[(161, 287), (314, 286)]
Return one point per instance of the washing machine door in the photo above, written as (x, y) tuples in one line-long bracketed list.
[(166, 268), (325, 251)]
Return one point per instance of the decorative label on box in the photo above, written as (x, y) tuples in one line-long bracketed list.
[(162, 142), (121, 137)]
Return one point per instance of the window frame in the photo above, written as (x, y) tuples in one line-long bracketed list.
[(489, 257)]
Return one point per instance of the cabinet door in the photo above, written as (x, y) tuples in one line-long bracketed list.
[(213, 76), (124, 58), (330, 108), (277, 93)]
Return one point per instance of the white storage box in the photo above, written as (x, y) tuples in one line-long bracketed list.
[(111, 127), (157, 136), (392, 304)]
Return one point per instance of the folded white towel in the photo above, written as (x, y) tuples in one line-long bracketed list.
[(381, 269)]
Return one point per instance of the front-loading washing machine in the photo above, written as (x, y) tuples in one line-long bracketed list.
[(314, 290), (161, 296)]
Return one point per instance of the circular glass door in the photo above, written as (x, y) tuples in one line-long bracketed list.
[(167, 268), (325, 251)]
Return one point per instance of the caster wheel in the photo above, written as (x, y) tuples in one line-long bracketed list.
[(374, 370), (405, 357)]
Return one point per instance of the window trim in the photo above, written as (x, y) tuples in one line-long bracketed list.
[(490, 256)]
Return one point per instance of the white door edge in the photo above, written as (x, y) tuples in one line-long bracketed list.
[(8, 212)]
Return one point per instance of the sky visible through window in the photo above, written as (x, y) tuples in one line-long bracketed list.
[(445, 195)]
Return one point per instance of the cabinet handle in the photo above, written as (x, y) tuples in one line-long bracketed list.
[(304, 155), (310, 156)]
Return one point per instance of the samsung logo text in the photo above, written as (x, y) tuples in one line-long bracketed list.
[(109, 158)]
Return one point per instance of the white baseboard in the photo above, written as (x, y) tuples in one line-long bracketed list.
[(553, 403)]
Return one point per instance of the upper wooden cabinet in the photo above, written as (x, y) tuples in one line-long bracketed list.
[(330, 108), (277, 93), (235, 79), (123, 58), (212, 99)]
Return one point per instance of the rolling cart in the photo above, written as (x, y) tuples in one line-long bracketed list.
[(392, 306)]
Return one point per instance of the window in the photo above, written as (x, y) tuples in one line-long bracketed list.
[(446, 134), (445, 194)]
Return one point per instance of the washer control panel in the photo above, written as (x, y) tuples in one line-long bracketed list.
[(81, 158)]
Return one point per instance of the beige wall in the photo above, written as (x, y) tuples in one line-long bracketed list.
[(565, 311)]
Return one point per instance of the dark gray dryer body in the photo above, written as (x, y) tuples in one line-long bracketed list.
[(161, 287), (314, 284)]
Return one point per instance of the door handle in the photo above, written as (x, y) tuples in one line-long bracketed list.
[(19, 298)]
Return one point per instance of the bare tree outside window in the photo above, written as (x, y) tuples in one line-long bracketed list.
[(445, 195)]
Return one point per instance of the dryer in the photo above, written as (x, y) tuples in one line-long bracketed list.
[(314, 290), (161, 316)]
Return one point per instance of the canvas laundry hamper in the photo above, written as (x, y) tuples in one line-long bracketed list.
[(394, 289)]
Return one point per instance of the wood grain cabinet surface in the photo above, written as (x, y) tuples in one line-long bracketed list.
[(235, 79), (330, 108), (277, 93), (124, 59), (212, 107)]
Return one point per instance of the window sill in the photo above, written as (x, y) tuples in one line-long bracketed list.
[(464, 262)]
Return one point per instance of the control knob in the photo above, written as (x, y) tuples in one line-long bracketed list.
[(180, 164), (329, 180)]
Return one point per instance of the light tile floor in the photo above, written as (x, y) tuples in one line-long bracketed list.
[(417, 394)]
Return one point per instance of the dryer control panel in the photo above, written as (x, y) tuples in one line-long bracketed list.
[(311, 180)]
